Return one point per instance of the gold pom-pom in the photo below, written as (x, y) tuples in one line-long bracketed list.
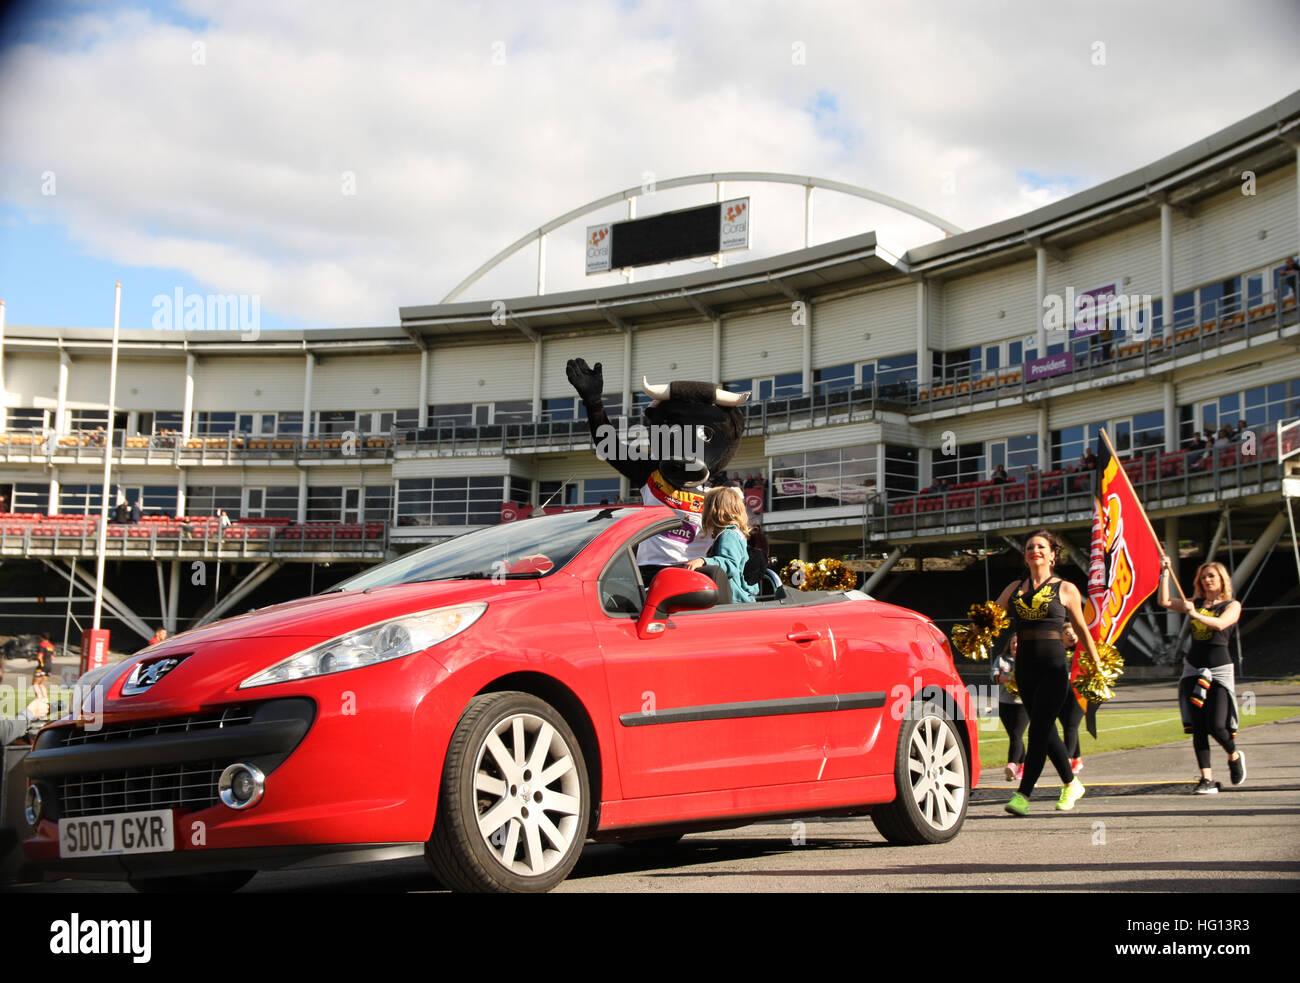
[(989, 617), (1010, 686), (827, 574), (973, 642), (795, 574), (1094, 682)]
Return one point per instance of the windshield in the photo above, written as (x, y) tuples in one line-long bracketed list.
[(527, 549)]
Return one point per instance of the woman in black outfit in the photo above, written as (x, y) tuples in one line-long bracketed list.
[(1040, 606), (1207, 695)]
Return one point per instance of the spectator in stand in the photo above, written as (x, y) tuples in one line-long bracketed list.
[(1088, 460), (1224, 438), (1289, 278), (223, 521), (1000, 476), (1198, 443), (159, 636), (1240, 435), (137, 513), (44, 666)]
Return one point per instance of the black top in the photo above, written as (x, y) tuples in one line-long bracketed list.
[(1040, 610), (1210, 647)]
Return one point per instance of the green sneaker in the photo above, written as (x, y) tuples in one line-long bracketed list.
[(1070, 794), (1018, 806)]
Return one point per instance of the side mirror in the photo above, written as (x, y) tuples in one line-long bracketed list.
[(674, 589)]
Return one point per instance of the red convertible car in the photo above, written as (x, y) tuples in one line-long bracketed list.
[(493, 702)]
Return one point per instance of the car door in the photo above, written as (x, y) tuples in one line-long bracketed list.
[(725, 698)]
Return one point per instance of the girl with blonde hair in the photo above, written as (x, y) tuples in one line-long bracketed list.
[(1207, 694), (725, 517)]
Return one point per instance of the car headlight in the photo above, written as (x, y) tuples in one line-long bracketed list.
[(372, 644)]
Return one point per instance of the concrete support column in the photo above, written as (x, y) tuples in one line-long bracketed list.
[(1173, 620), (924, 363), (807, 346), (61, 406), (306, 394), (1171, 420), (422, 420), (805, 550), (302, 496), (1044, 449), (882, 570), (132, 422), (52, 503), (1040, 293), (173, 596), (187, 411), (717, 351), (537, 379), (182, 486), (1167, 268), (925, 467), (627, 373)]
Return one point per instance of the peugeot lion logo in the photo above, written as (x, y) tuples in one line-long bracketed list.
[(145, 675)]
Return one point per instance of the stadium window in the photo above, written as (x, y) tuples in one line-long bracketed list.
[(1230, 290), (406, 419), (30, 498), (896, 370), (1210, 415), (26, 418), (739, 386), (483, 500), (513, 411), (613, 403), (159, 499), (1186, 426), (415, 502), (89, 419), (450, 414), (521, 491), (834, 378), (482, 414), (1149, 431), (596, 490), (559, 409), (1068, 445), (992, 358), (1056, 348), (213, 423), (1229, 409), (966, 465), (787, 384), (901, 471), (1122, 437), (826, 478), (1256, 406), (324, 503), (1211, 297), (1254, 290), (868, 374), (1022, 454), (168, 420), (1184, 309), (1157, 320), (550, 492), (1015, 353), (331, 423), (80, 499), (280, 502), (379, 503), (208, 499), (254, 502)]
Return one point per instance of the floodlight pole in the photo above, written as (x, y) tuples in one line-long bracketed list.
[(102, 545)]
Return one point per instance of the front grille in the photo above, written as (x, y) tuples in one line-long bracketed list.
[(192, 785), (214, 720)]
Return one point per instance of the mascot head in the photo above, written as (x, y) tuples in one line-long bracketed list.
[(710, 423)]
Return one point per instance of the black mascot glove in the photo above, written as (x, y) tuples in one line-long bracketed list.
[(588, 380)]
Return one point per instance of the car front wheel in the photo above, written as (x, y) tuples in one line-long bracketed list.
[(932, 776), (514, 801)]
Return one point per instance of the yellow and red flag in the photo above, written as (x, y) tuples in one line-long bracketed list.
[(1124, 566)]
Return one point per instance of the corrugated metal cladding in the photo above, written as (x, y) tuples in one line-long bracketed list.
[(606, 349), (506, 371), (33, 379), (149, 384), (840, 326), (1216, 380), (759, 345), (656, 350), (1113, 402), (246, 383), (1132, 253), (1222, 236), (460, 467), (559, 467), (348, 382), (973, 304), (972, 428), (800, 441), (326, 477)]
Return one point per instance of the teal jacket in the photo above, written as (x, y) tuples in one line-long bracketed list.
[(731, 552)]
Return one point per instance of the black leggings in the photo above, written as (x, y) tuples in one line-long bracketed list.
[(1043, 676), (1014, 721), (1209, 721), (1071, 716)]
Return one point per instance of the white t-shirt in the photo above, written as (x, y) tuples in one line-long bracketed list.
[(687, 541)]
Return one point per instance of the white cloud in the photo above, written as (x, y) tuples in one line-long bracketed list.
[(232, 170)]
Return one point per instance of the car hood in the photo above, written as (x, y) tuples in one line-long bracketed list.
[(216, 658)]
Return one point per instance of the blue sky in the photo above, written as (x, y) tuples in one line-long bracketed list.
[(206, 145)]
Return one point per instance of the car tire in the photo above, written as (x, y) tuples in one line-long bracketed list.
[(514, 803), (224, 882), (932, 776)]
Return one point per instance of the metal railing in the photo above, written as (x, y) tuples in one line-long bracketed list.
[(181, 540)]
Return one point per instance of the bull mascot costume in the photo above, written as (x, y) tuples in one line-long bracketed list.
[(710, 422)]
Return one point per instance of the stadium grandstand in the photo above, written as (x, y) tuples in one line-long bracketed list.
[(908, 408)]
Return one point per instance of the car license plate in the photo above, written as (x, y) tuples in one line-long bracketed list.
[(106, 836)]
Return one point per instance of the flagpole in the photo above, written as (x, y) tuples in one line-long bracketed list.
[(102, 545), (1141, 508)]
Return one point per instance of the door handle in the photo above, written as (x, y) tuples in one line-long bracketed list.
[(804, 636)]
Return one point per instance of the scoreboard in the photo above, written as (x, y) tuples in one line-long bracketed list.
[(685, 234)]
